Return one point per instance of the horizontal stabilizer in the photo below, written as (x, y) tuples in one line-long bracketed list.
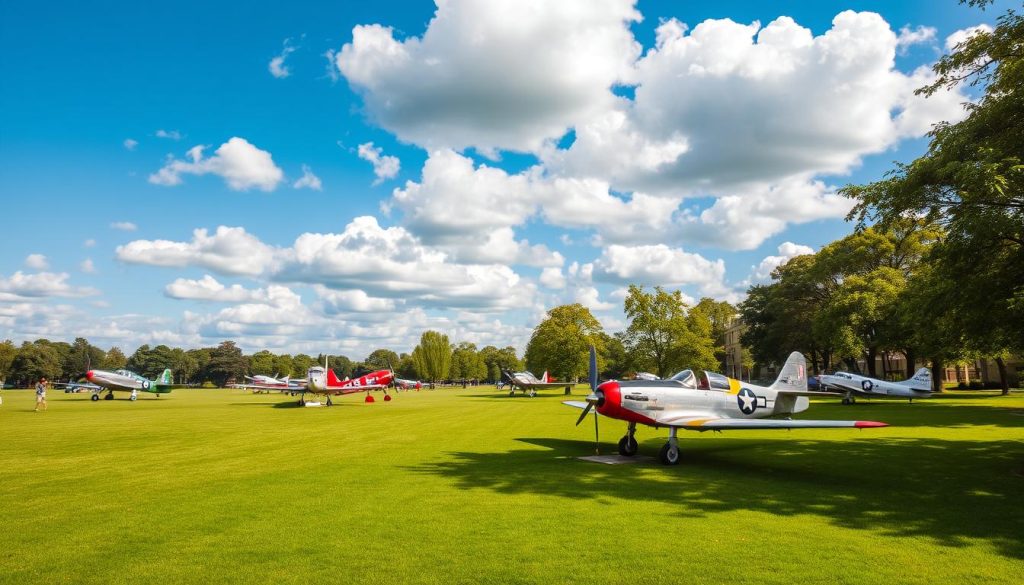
[(810, 393)]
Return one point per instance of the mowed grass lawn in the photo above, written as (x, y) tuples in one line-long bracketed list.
[(471, 486)]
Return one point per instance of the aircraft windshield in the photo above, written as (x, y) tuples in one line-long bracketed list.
[(686, 377)]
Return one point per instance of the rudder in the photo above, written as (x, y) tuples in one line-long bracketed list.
[(793, 375)]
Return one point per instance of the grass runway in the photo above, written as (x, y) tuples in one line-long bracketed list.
[(471, 486)]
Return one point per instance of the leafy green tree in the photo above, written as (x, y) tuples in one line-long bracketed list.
[(406, 367), (263, 363), (615, 358), (560, 344), (433, 356), (498, 360), (662, 337), (151, 362), (8, 351), (301, 364), (82, 357), (114, 359), (719, 314), (971, 182), (467, 364), (34, 361), (183, 364), (284, 366), (202, 359), (226, 363), (380, 359)]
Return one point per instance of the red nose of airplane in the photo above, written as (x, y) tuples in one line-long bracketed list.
[(88, 375), (609, 397)]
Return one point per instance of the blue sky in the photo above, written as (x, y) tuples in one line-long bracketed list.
[(534, 127)]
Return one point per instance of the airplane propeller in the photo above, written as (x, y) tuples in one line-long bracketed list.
[(596, 397)]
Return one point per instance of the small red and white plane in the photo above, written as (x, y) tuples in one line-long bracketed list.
[(705, 401), (323, 380), (408, 384), (260, 383)]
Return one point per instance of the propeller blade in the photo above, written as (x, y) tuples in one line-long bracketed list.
[(593, 369), (586, 411), (597, 438)]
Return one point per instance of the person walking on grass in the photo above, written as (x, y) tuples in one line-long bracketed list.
[(41, 394)]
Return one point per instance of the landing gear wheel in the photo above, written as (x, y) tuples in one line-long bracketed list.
[(628, 446), (109, 396), (329, 403), (533, 393), (669, 454), (133, 398), (302, 402), (512, 393), (846, 401), (95, 397)]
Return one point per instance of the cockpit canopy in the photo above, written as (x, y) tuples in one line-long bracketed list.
[(706, 380)]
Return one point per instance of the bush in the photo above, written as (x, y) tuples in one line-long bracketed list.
[(977, 385), (962, 386)]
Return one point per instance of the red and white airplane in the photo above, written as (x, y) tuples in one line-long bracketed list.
[(408, 384), (706, 401), (323, 380), (260, 383)]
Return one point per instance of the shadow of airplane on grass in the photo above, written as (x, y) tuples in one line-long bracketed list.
[(948, 491)]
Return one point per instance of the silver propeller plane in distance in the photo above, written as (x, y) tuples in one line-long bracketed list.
[(125, 381), (529, 383), (706, 401), (853, 385)]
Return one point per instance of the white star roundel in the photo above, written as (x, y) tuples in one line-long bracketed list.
[(747, 401)]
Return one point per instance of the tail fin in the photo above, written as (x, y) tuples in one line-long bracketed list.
[(922, 380), (793, 375), (332, 378), (166, 377), (544, 378)]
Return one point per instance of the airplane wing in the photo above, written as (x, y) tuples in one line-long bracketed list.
[(73, 385), (719, 424)]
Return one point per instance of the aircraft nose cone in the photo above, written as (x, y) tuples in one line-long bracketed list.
[(88, 375)]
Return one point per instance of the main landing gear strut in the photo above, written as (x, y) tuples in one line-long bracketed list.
[(849, 399)]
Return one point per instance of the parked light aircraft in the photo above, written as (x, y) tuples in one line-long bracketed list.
[(323, 380), (705, 402), (260, 383), (407, 384), (124, 381), (529, 383), (919, 386)]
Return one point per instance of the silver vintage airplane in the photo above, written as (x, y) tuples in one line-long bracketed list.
[(706, 402), (919, 386), (124, 381), (529, 383)]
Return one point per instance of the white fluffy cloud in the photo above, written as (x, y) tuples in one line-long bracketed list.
[(239, 163), (87, 266), (384, 166), (37, 262), (230, 250), (916, 36), (308, 180), (383, 262), (130, 144), (755, 106), (659, 265), (787, 250), (507, 74), (124, 226), (21, 286), (963, 34), (552, 277), (209, 288)]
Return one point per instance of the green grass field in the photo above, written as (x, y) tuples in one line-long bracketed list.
[(471, 486)]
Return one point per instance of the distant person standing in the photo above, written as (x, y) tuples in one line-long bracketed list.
[(41, 394)]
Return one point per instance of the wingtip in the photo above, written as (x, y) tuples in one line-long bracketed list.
[(869, 424)]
